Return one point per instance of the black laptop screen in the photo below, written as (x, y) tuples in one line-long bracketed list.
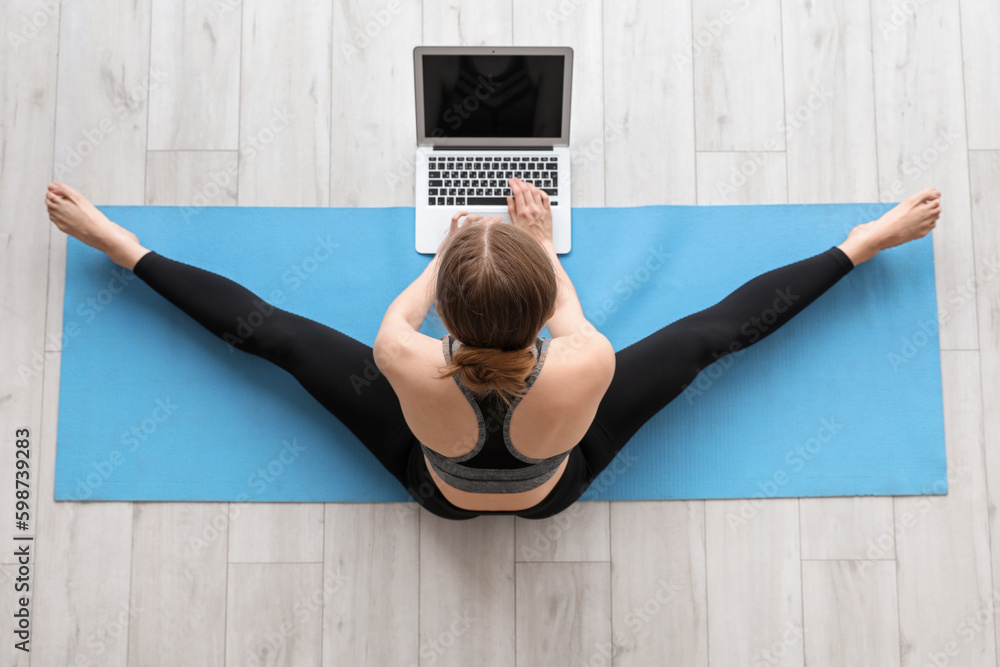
[(493, 96)]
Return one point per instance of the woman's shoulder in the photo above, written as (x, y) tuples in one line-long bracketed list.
[(592, 353), (577, 368)]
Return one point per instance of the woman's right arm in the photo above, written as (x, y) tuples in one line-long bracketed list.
[(568, 317), (530, 210)]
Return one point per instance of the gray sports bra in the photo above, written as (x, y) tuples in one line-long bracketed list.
[(494, 465)]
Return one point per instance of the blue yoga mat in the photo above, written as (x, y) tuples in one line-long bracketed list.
[(844, 400)]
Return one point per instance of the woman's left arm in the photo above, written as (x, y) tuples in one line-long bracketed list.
[(408, 310)]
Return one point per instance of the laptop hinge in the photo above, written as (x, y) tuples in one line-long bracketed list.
[(492, 148)]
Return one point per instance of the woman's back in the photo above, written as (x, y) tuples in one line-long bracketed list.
[(551, 419)]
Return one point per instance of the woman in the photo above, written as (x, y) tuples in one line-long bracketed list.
[(441, 415)]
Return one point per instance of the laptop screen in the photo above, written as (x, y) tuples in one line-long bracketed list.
[(469, 97)]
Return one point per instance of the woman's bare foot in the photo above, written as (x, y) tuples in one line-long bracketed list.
[(911, 219), (74, 214)]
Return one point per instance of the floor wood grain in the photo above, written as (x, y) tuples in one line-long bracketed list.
[(269, 104)]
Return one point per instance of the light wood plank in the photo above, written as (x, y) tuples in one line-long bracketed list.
[(920, 118), (562, 614), (275, 614), (453, 22), (372, 557), (736, 52), (75, 598), (104, 86), (27, 110), (178, 584), (276, 533), (850, 614), (179, 549), (831, 149), (658, 583), (984, 172), (284, 161), (196, 45), (294, 531), (577, 25), (82, 614), (374, 137), (754, 582), (191, 179), (466, 590), (981, 62), (100, 138), (860, 528), (829, 123), (658, 133), (194, 179), (285, 104), (943, 549), (581, 532), (741, 178), (101, 114)]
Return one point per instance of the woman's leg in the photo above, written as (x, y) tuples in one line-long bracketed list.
[(335, 369), (650, 373), (653, 371)]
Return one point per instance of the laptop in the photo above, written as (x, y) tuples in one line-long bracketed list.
[(485, 114)]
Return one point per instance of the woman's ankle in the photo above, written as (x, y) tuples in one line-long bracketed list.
[(860, 245), (127, 256)]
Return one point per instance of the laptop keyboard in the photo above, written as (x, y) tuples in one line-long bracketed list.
[(469, 181)]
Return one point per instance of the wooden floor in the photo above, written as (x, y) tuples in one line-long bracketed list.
[(675, 102)]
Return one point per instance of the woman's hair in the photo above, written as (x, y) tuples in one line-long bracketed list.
[(496, 287)]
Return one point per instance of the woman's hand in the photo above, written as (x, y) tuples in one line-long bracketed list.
[(471, 220), (530, 210)]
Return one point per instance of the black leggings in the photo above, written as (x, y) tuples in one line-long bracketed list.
[(648, 374)]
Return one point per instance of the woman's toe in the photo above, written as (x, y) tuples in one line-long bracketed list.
[(64, 190)]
